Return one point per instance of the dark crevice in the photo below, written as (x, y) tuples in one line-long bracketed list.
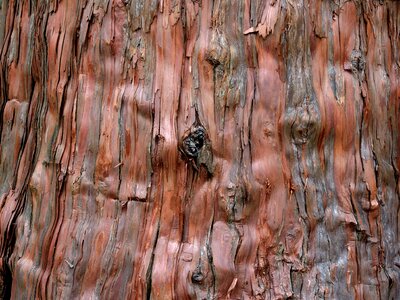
[(250, 122), (5, 282), (121, 143), (210, 260), (149, 272)]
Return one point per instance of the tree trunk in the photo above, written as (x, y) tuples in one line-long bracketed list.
[(199, 149)]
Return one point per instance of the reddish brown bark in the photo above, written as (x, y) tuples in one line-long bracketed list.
[(204, 149)]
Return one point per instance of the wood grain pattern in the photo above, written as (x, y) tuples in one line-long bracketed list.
[(292, 191)]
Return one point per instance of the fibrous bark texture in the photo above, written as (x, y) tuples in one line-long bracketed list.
[(209, 149)]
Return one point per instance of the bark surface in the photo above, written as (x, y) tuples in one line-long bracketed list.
[(199, 149)]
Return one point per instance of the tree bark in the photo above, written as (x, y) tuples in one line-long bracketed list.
[(199, 149)]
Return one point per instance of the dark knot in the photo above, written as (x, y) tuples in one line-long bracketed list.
[(194, 142)]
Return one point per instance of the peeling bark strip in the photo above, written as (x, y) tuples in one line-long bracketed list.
[(199, 149)]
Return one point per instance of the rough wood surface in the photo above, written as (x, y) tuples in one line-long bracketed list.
[(203, 149)]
